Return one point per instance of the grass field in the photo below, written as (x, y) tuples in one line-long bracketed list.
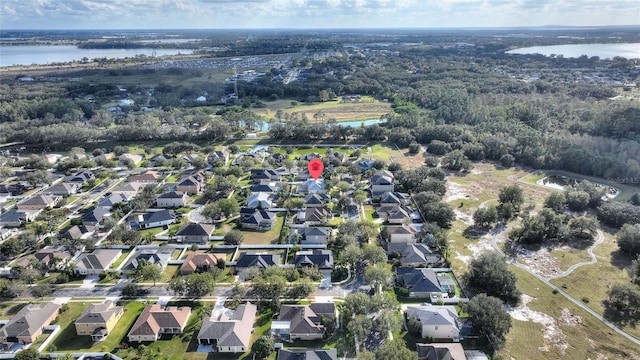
[(254, 237), (368, 108), (584, 336), (120, 259), (8, 309)]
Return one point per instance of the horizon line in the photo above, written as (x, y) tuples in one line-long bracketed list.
[(550, 27)]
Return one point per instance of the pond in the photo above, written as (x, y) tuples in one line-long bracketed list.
[(356, 123), (559, 182)]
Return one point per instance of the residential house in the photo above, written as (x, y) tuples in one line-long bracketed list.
[(39, 202), (15, 218), (172, 199), (25, 326), (152, 219), (249, 260), (200, 262), (394, 198), (397, 215), (192, 185), (414, 255), (278, 158), (366, 164), (195, 233), (190, 158), (441, 351), (159, 256), (302, 322), (109, 201), (159, 159), (98, 320), (316, 235), (77, 232), (314, 216), (147, 177), (49, 258), (52, 158), (321, 259), (218, 155), (97, 261), (81, 177), (62, 189), (264, 174), (260, 200), (382, 182), (240, 158), (130, 189), (316, 200), (5, 233), (94, 216), (312, 186), (307, 354), (400, 233), (423, 283), (157, 320), (437, 322), (264, 188), (130, 158), (259, 220), (229, 335)]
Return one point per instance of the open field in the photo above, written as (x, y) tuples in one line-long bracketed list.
[(566, 331), (255, 237), (368, 108)]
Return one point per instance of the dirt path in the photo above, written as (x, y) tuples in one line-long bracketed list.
[(547, 280)]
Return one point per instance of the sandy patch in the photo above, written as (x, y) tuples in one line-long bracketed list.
[(569, 319), (455, 192), (552, 335), (482, 245), (539, 261), (465, 218)]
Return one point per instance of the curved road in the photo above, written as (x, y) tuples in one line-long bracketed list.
[(547, 280)]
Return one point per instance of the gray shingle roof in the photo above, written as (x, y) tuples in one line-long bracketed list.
[(29, 320)]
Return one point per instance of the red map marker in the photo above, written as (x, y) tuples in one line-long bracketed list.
[(315, 167)]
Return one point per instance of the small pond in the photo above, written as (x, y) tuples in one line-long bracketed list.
[(559, 182)]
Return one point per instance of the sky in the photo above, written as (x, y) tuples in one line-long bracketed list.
[(236, 14)]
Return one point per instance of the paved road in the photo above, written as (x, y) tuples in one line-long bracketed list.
[(547, 280)]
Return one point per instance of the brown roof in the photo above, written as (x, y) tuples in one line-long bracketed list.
[(154, 317), (29, 320), (193, 261)]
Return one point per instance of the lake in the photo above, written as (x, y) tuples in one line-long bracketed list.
[(46, 54), (604, 51)]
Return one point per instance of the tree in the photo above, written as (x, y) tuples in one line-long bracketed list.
[(616, 214), (37, 177), (484, 217), (41, 290), (623, 303), (489, 319), (270, 288), (556, 201), (378, 276), (395, 349), (578, 200), (212, 211), (28, 354), (360, 326), (356, 303), (233, 237), (488, 273), (11, 288), (583, 227), (629, 240), (301, 289), (263, 347), (365, 355), (130, 289), (388, 321), (193, 285), (373, 254), (150, 271), (511, 195)]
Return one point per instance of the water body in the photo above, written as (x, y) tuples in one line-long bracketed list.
[(47, 54), (357, 123), (603, 51), (563, 182)]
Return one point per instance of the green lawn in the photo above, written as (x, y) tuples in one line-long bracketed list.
[(264, 237), (69, 341), (369, 213), (169, 272), (68, 335), (8, 309), (120, 259)]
